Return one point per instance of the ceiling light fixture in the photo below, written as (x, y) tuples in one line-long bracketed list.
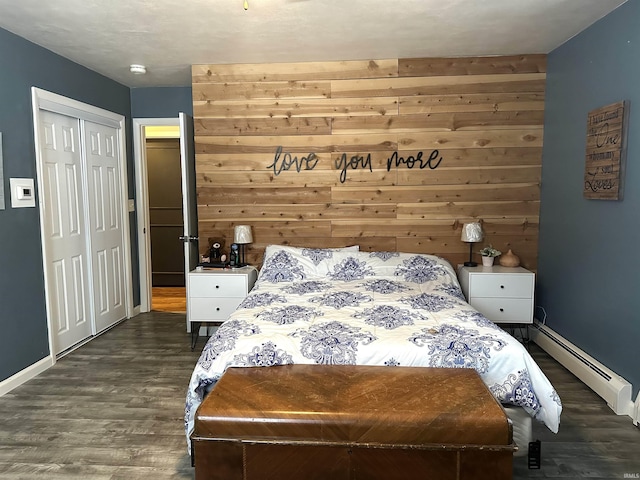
[(246, 4), (137, 69)]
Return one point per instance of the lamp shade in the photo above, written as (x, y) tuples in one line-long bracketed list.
[(472, 232), (242, 234)]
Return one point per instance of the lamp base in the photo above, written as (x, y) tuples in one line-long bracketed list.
[(470, 263)]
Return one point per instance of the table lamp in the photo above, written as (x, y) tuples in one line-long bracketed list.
[(471, 233), (242, 236)]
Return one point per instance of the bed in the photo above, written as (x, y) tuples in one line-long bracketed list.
[(346, 307)]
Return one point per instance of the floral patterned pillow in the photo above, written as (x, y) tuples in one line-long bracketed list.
[(289, 264), (292, 264), (410, 267)]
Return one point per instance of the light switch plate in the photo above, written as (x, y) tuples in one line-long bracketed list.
[(23, 193)]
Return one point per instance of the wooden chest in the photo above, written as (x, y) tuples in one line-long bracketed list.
[(308, 422)]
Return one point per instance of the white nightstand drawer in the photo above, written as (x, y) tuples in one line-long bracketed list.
[(213, 309), (503, 285), (505, 310), (217, 285)]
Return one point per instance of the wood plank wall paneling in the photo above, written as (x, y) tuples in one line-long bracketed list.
[(483, 115)]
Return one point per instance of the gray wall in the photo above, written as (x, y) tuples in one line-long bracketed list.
[(23, 325), (156, 102), (160, 102), (589, 259)]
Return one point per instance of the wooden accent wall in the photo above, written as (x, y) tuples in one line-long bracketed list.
[(480, 120)]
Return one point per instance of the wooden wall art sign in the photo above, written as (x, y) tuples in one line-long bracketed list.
[(606, 151)]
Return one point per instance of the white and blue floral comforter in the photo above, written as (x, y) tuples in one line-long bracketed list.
[(382, 308)]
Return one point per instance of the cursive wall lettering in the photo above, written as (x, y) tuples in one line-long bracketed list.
[(604, 138), (595, 184), (411, 161), (287, 162), (355, 162)]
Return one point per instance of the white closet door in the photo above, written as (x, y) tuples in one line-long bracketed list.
[(105, 223), (64, 230)]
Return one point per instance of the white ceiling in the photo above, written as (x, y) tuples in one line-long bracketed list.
[(168, 36)]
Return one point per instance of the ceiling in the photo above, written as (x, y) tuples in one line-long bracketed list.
[(168, 36)]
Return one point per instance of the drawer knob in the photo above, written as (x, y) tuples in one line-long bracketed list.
[(502, 309), (218, 309), (501, 286), (217, 286)]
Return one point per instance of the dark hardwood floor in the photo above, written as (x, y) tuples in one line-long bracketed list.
[(113, 410), (593, 442)]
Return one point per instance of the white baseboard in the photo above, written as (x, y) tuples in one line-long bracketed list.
[(25, 374), (613, 388)]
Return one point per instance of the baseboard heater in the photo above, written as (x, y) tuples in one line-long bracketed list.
[(614, 389)]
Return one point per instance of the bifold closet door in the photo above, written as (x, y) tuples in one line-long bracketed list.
[(64, 230), (83, 227), (105, 223)]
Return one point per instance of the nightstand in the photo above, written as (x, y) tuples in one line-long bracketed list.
[(502, 294), (214, 293)]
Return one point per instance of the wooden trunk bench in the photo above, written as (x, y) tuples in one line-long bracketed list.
[(307, 422)]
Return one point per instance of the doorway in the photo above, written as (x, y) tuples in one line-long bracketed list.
[(168, 293), (159, 202)]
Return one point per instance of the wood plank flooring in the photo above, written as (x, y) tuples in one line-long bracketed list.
[(113, 410), (593, 442), (169, 299)]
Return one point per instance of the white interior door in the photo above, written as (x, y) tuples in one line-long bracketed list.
[(105, 223), (64, 230), (189, 202)]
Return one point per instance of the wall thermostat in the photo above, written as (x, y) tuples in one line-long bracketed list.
[(22, 192)]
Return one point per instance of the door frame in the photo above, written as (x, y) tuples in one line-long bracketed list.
[(142, 203), (53, 102)]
